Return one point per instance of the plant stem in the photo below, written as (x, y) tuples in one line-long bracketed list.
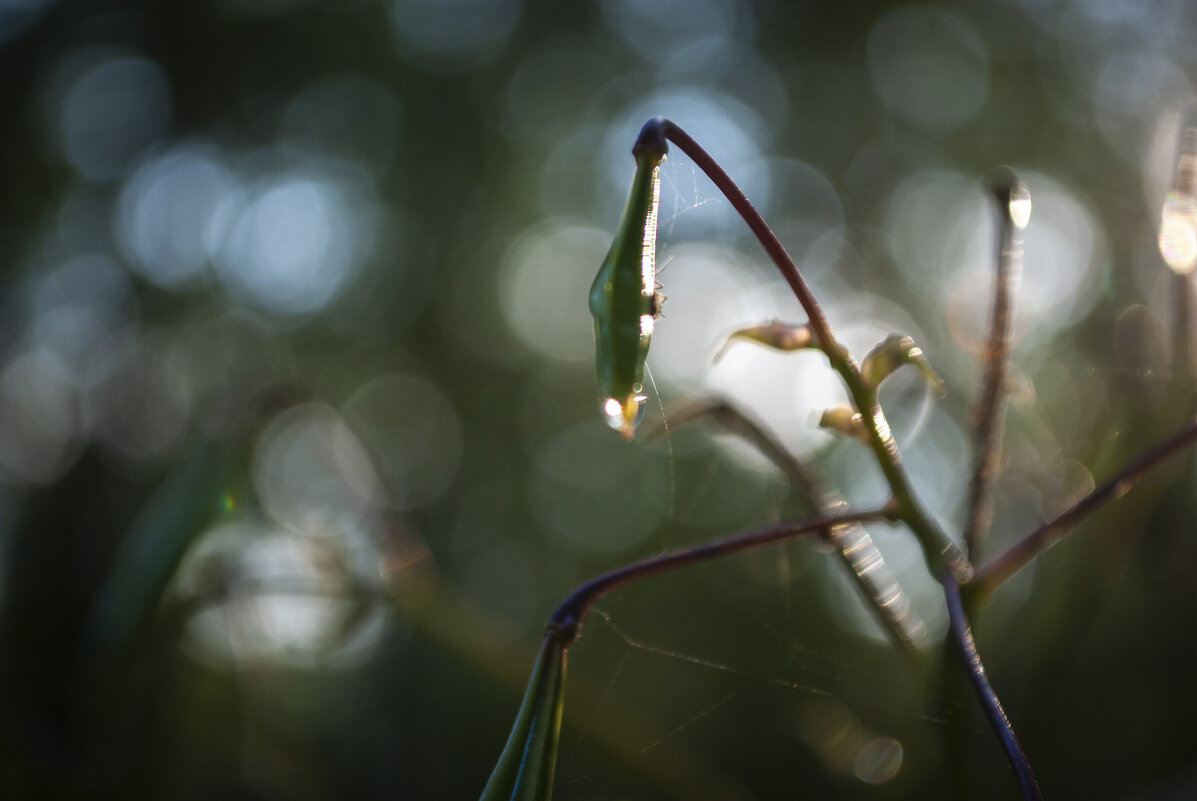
[(991, 408), (938, 548), (854, 546), (1002, 567), (962, 637), (566, 622), (1184, 185)]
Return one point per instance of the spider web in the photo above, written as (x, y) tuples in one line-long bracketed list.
[(717, 680)]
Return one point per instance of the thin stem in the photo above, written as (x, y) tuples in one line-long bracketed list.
[(1185, 357), (1184, 186), (660, 126), (1006, 188), (937, 546), (853, 544), (566, 622), (1002, 567), (962, 637)]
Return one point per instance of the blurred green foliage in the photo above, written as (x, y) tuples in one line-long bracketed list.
[(298, 442)]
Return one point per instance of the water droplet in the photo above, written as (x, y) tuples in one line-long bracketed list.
[(624, 416)]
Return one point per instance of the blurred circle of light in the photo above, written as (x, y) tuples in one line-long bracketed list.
[(166, 215), (546, 278), (1128, 89), (39, 420), (311, 473), (412, 432), (223, 364), (346, 116), (710, 295), (73, 307), (1064, 248), (807, 214), (294, 243), (1178, 233), (878, 760), (734, 67), (17, 15), (929, 66), (269, 597), (538, 105), (943, 228), (137, 403), (449, 36), (588, 491), (655, 30), (114, 108), (931, 215), (726, 128)]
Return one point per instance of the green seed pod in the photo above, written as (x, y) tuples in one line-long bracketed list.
[(623, 296)]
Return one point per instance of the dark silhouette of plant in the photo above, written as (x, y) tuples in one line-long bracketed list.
[(624, 305)]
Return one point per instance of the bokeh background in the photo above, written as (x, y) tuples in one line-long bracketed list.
[(299, 435)]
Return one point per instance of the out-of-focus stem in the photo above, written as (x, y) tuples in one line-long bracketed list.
[(1002, 567), (938, 548), (1184, 193), (962, 637), (854, 546), (566, 622), (990, 415)]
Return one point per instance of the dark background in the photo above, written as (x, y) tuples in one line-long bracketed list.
[(299, 442)]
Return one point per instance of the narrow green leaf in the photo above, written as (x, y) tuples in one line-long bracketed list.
[(623, 296), (525, 768), (895, 351)]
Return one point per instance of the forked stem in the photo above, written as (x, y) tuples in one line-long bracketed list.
[(938, 548), (566, 622), (1002, 567)]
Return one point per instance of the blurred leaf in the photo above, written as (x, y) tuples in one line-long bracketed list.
[(153, 547), (525, 768)]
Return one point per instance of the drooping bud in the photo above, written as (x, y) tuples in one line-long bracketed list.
[(893, 352), (622, 295), (846, 421), (774, 334)]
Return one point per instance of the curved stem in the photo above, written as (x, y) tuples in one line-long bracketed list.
[(660, 127), (938, 548), (566, 622), (962, 637), (993, 573)]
